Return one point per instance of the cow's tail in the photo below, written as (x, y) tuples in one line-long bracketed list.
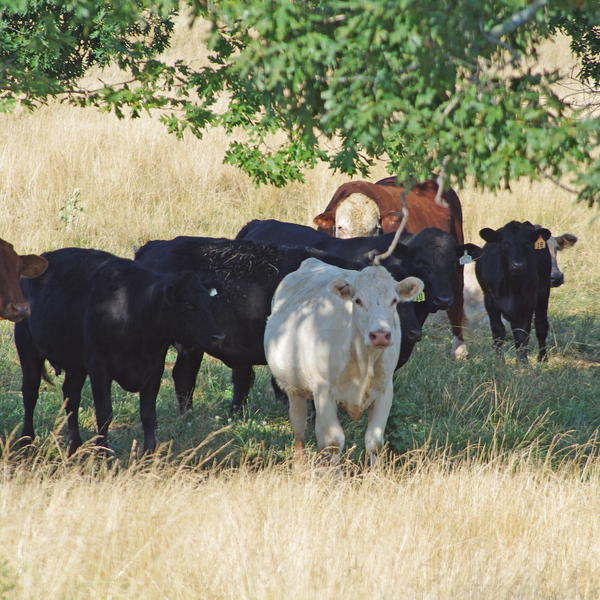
[(46, 376)]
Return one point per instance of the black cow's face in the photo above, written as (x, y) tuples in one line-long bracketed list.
[(189, 313), (432, 257), (516, 242)]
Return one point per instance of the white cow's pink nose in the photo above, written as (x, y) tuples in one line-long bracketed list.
[(380, 339)]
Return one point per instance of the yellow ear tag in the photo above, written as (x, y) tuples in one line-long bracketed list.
[(540, 244), (420, 297)]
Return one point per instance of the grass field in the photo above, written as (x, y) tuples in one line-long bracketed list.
[(491, 486)]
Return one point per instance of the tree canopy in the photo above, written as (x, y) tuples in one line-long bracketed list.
[(433, 86)]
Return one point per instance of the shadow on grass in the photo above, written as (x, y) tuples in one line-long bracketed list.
[(474, 406)]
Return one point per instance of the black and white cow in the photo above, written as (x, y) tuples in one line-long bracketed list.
[(474, 307), (250, 273), (112, 319), (432, 255), (514, 274), (555, 245)]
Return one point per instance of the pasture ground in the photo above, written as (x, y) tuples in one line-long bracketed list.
[(490, 490)]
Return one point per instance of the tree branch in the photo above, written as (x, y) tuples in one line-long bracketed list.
[(559, 184), (440, 181), (517, 20), (379, 257), (492, 38)]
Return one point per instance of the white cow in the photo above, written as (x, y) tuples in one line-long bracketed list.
[(357, 216), (334, 336)]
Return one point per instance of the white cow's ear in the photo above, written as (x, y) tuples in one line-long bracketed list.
[(566, 241), (341, 288), (409, 288)]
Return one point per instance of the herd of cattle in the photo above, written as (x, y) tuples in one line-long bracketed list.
[(307, 302)]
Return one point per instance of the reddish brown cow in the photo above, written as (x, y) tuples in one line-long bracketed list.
[(423, 212), (13, 305)]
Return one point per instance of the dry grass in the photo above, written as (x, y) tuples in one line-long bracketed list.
[(479, 531)]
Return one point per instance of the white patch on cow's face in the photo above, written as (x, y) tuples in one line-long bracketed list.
[(357, 216), (556, 245)]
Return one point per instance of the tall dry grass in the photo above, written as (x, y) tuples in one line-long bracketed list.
[(497, 530)]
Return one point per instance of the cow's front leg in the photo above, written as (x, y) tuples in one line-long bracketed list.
[(541, 324), (72, 396), (31, 367), (148, 412), (329, 432), (298, 420), (498, 329), (185, 373), (243, 379), (521, 331), (456, 314), (378, 412)]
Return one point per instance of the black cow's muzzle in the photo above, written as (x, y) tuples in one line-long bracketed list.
[(216, 340), (443, 302), (414, 335)]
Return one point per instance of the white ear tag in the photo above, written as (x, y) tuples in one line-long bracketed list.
[(465, 259), (213, 291)]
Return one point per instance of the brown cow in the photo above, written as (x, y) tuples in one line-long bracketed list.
[(423, 212), (13, 305)]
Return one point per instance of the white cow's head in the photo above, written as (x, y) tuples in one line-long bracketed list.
[(555, 245), (374, 295), (357, 216)]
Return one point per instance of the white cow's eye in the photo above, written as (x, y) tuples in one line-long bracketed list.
[(359, 302), (394, 302)]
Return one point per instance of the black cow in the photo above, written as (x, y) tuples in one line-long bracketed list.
[(432, 255), (112, 319), (250, 272), (514, 274)]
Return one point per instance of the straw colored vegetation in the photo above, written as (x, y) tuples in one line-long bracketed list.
[(499, 530), (506, 507)]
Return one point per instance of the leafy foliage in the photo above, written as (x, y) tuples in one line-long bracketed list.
[(585, 36), (47, 46), (429, 85)]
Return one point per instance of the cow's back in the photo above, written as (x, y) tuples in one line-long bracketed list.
[(249, 271), (423, 211), (307, 321)]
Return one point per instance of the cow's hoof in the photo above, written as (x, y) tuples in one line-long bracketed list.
[(459, 349)]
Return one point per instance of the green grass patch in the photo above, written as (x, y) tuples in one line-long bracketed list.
[(482, 404)]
